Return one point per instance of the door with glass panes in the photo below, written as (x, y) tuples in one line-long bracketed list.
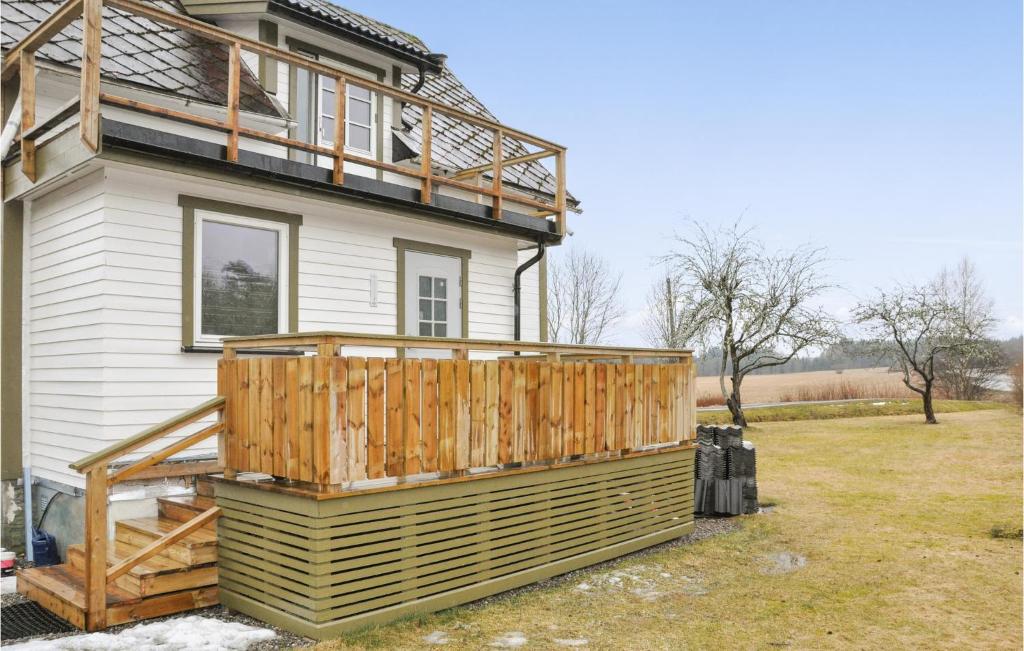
[(433, 296)]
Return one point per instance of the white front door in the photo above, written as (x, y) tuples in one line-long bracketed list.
[(433, 295)]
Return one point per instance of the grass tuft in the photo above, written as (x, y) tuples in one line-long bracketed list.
[(1006, 532), (858, 409)]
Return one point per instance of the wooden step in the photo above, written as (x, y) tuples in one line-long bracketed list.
[(154, 576), (197, 548), (186, 507), (61, 590)]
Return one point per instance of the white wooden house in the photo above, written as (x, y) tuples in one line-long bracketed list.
[(129, 251)]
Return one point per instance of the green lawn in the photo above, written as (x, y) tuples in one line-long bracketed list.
[(879, 538), (852, 409)]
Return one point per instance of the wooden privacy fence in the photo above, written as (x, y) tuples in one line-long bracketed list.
[(330, 419)]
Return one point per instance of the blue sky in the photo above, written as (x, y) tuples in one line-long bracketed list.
[(888, 132)]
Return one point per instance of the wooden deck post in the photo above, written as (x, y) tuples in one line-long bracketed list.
[(27, 81), (96, 547), (425, 154), (234, 84), (92, 25), (560, 191)]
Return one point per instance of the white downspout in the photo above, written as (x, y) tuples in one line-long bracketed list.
[(11, 128)]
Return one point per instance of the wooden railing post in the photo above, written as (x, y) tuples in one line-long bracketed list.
[(560, 191), (340, 95), (496, 171), (425, 149), (96, 547), (234, 85), (92, 28), (28, 112)]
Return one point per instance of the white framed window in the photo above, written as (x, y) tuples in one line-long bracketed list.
[(359, 116), (241, 281)]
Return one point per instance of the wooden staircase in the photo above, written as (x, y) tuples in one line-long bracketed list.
[(182, 576)]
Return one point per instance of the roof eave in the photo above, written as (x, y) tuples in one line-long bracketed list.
[(419, 60)]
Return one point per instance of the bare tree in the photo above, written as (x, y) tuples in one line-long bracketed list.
[(758, 308), (583, 299), (968, 372), (665, 325), (917, 325)]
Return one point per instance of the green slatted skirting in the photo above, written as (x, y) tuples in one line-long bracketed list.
[(321, 568)]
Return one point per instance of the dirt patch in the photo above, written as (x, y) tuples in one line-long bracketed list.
[(784, 563)]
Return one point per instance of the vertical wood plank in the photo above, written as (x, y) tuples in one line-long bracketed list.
[(339, 420), (413, 444), (291, 418), (234, 84), (377, 449), (395, 416), (555, 434), (600, 405), (568, 402), (590, 409), (322, 419), (266, 415), (651, 382), (491, 414), (506, 424), (662, 371), (496, 172), (610, 407), (638, 406), (628, 402), (532, 410), (691, 431), (478, 423), (446, 420), (429, 415), (225, 387), (579, 445), (253, 439), (543, 436), (89, 90), (96, 547), (356, 408), (519, 414), (306, 419), (620, 407), (426, 145), (462, 414), (279, 426)]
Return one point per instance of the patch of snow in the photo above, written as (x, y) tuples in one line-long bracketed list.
[(510, 640), (647, 594), (584, 587), (8, 585), (666, 575), (437, 637), (192, 633), (573, 642), (784, 562), (877, 404)]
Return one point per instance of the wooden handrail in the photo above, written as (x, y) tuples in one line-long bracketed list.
[(162, 543), (233, 345), (170, 450), (148, 435)]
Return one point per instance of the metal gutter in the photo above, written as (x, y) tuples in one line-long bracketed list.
[(517, 288)]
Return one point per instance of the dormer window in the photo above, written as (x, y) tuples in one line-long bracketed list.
[(314, 108)]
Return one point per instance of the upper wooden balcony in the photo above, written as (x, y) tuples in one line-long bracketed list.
[(91, 100)]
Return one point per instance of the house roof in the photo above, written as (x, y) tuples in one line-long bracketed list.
[(140, 52), (149, 55)]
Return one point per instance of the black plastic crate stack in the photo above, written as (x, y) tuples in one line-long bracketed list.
[(726, 482)]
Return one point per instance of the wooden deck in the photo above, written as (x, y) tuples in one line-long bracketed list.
[(358, 488)]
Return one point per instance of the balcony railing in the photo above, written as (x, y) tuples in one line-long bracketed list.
[(329, 419), (22, 58)]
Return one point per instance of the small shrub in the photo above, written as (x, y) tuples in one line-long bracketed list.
[(1006, 532), (1017, 381)]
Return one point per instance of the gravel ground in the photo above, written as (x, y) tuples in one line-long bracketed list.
[(703, 528)]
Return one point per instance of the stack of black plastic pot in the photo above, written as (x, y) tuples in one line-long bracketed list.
[(726, 482)]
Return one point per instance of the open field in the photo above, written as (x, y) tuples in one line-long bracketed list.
[(815, 385), (879, 538), (849, 409)]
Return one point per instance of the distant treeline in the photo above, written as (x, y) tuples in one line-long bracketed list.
[(849, 354)]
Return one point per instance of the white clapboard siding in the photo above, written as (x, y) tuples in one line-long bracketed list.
[(105, 299)]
